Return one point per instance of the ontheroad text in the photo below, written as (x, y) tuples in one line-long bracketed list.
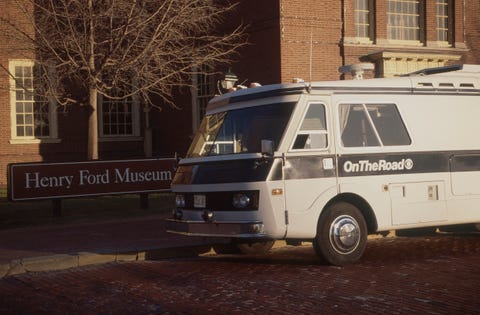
[(377, 166)]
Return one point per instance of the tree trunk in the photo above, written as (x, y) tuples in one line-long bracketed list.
[(92, 143), (147, 141)]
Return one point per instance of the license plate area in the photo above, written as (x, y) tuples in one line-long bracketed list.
[(199, 201)]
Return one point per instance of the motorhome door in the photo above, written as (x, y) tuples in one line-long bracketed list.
[(310, 164)]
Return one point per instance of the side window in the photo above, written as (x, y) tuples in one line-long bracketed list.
[(313, 130), (389, 124), (368, 125), (356, 127)]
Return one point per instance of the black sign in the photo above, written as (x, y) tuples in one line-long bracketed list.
[(60, 180)]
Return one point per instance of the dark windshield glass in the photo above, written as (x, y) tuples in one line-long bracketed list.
[(241, 130)]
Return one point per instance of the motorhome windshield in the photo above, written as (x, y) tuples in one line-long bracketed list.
[(241, 130)]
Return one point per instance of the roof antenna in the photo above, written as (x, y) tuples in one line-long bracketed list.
[(310, 63)]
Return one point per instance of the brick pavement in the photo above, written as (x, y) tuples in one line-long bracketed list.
[(428, 275), (64, 246)]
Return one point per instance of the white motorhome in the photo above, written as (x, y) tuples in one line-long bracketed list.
[(331, 162)]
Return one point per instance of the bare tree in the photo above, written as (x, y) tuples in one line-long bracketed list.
[(122, 49)]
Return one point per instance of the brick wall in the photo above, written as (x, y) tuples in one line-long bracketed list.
[(472, 31), (322, 25), (11, 153), (258, 61), (310, 26)]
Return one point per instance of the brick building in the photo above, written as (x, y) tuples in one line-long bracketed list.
[(307, 39)]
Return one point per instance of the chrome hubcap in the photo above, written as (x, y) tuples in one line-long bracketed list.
[(344, 234)]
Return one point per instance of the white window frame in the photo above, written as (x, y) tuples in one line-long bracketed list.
[(52, 113), (406, 17), (135, 135), (443, 22), (310, 132), (201, 85), (366, 10)]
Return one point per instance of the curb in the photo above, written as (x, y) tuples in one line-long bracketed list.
[(67, 261)]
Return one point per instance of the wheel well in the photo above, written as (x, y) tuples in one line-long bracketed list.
[(362, 205)]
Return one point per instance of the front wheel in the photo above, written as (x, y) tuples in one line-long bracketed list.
[(341, 234)]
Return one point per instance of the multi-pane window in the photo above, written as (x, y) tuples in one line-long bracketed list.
[(205, 90), (444, 8), (31, 110), (404, 21), (118, 114), (363, 12), (117, 117)]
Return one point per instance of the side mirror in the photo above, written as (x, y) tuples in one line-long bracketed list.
[(267, 147)]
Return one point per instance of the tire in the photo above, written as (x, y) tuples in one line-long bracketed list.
[(256, 248), (341, 234)]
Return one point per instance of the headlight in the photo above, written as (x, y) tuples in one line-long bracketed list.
[(240, 201), (180, 201)]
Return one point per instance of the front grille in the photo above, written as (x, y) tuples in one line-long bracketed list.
[(221, 201)]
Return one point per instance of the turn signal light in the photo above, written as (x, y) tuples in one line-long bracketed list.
[(277, 192)]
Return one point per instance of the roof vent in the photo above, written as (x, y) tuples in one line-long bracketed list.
[(467, 85), (446, 85), (425, 84)]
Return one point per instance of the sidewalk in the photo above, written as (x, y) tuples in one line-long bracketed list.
[(55, 247)]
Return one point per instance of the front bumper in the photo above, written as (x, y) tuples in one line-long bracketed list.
[(254, 229)]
